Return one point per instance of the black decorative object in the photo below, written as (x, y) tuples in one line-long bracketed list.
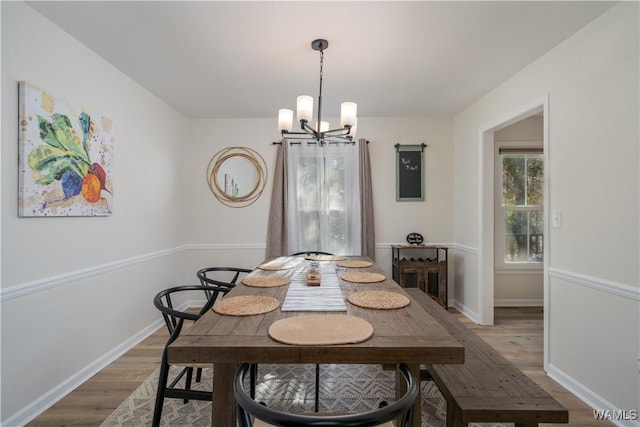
[(415, 238)]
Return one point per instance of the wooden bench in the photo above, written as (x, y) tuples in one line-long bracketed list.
[(487, 387)]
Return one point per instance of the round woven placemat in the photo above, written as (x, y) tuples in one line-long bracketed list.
[(275, 266), (325, 257), (354, 263), (362, 277), (321, 329), (382, 300), (246, 305), (270, 281)]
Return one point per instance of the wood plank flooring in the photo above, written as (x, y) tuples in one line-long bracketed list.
[(517, 334)]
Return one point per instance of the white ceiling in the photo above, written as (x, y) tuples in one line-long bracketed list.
[(215, 59)]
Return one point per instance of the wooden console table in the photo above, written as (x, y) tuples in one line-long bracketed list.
[(423, 267)]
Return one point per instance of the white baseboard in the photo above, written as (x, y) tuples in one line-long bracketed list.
[(48, 399), (518, 303), (472, 315), (588, 396)]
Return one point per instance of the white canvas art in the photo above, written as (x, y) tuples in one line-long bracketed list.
[(66, 156)]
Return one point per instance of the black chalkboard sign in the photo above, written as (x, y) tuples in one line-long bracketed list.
[(410, 172)]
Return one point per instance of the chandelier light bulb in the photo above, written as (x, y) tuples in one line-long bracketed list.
[(348, 113), (305, 108), (285, 119)]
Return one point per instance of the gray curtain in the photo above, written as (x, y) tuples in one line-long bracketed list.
[(367, 235), (277, 230)]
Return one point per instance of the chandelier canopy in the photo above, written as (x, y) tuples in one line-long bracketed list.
[(321, 133)]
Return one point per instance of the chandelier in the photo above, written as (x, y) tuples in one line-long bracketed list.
[(321, 133)]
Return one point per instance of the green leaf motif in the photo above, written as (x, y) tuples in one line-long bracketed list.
[(60, 134), (67, 137), (64, 150), (47, 133), (52, 163)]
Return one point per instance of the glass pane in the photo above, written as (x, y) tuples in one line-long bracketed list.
[(308, 200), (535, 179), (310, 230), (335, 204), (524, 239), (536, 227), (515, 243), (307, 180), (334, 183), (513, 182)]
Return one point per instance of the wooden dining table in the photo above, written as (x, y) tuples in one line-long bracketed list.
[(405, 335)]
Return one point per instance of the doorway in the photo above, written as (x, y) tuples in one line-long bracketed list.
[(518, 213), (487, 201)]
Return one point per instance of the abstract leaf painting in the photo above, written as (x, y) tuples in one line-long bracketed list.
[(66, 156)]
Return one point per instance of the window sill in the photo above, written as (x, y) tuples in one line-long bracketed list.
[(528, 269)]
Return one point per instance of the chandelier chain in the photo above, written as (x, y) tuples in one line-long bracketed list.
[(320, 92)]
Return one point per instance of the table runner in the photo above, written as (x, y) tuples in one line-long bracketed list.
[(326, 297)]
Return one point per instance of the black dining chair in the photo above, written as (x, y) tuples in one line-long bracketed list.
[(174, 319), (403, 407), (221, 276), (317, 386)]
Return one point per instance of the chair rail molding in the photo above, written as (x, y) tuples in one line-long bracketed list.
[(464, 248), (602, 285), (224, 246), (50, 282)]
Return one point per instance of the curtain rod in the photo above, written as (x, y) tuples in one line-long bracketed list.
[(422, 146)]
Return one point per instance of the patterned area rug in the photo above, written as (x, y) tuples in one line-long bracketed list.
[(343, 388)]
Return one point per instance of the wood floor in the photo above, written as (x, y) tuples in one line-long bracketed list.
[(517, 334)]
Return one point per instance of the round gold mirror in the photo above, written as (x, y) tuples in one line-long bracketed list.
[(236, 176)]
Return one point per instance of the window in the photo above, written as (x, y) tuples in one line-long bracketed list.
[(520, 209), (323, 188)]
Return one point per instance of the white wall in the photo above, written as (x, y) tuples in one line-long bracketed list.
[(592, 83), (245, 229), (74, 289), (529, 129)]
